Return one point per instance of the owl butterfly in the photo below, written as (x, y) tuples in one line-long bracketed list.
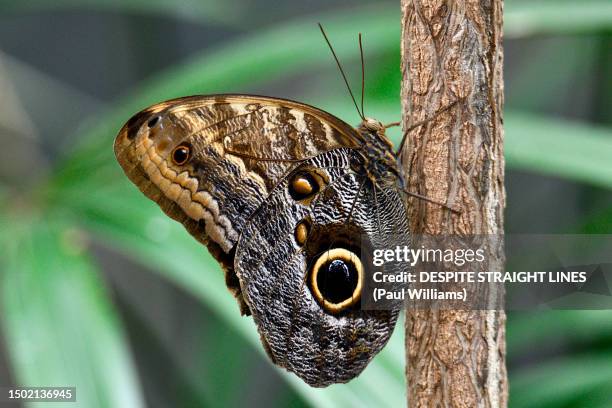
[(290, 200)]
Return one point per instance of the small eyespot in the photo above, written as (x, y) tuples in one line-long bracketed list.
[(181, 154), (303, 185), (153, 121), (336, 279), (302, 229)]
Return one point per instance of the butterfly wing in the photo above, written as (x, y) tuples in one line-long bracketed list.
[(276, 259), (210, 161)]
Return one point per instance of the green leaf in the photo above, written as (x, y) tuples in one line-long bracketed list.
[(552, 383), (600, 223), (552, 328), (559, 147), (573, 378), (528, 18), (59, 327)]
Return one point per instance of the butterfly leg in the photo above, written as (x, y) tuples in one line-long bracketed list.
[(422, 122)]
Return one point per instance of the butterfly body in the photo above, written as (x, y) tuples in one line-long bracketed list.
[(381, 162), (291, 201)]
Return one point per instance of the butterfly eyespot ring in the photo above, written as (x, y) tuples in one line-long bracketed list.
[(336, 279), (305, 184), (181, 154)]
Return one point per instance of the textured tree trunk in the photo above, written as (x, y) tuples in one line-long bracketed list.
[(452, 52)]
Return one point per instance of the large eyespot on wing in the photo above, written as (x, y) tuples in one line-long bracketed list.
[(336, 279), (301, 262), (210, 161)]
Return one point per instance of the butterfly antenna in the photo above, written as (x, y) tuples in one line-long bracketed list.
[(362, 76), (341, 70)]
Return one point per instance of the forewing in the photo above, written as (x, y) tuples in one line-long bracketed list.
[(239, 146)]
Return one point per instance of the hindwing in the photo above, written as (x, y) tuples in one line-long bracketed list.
[(297, 319)]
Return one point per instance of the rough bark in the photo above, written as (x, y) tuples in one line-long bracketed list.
[(452, 51)]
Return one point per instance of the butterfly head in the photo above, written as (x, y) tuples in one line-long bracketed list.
[(371, 125)]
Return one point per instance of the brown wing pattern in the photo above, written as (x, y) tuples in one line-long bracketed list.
[(238, 148)]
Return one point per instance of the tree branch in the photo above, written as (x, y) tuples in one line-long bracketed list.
[(452, 52)]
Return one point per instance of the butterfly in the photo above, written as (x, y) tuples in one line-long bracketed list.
[(291, 201)]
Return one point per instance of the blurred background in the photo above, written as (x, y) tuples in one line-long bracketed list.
[(98, 289)]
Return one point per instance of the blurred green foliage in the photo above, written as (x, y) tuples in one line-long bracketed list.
[(46, 270)]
